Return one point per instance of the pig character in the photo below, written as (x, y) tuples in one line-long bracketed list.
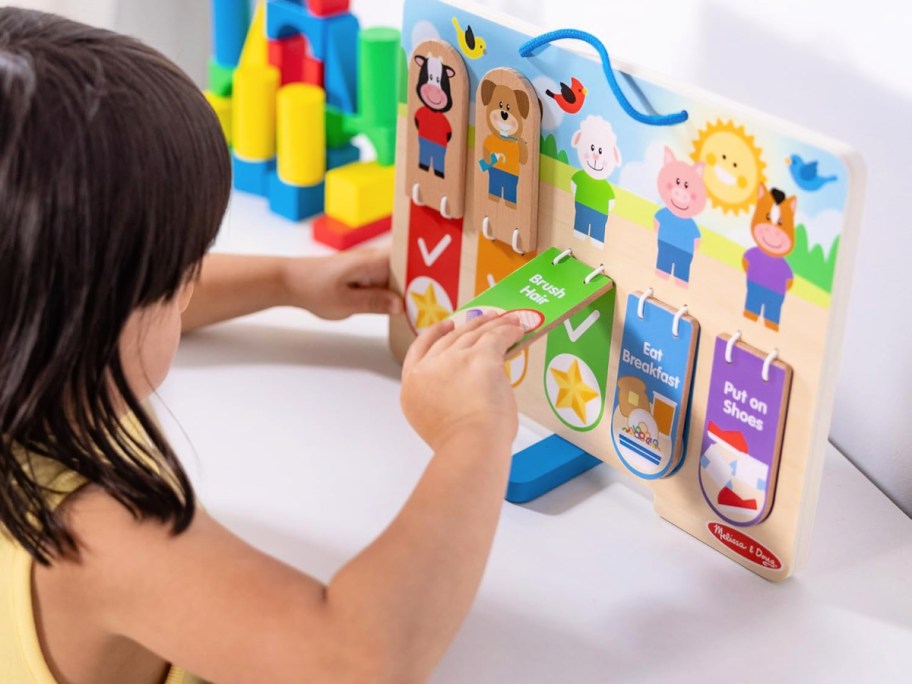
[(683, 192), (434, 131), (769, 275), (599, 156)]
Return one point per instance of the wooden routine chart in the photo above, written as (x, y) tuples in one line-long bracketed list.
[(681, 264)]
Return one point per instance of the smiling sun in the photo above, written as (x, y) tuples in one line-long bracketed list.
[(734, 167)]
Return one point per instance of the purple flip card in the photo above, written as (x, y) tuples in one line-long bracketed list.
[(742, 439)]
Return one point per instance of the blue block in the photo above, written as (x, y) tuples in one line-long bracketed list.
[(230, 24), (340, 156), (340, 68), (286, 18), (544, 466), (295, 202), (252, 177)]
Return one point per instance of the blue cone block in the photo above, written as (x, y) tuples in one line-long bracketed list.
[(545, 465), (230, 23), (252, 177), (340, 156), (295, 202)]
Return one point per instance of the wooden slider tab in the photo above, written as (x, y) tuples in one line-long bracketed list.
[(507, 142), (438, 126)]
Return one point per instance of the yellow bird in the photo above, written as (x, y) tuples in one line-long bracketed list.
[(473, 47)]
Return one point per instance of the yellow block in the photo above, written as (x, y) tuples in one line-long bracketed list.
[(301, 134), (360, 193), (222, 107), (254, 126), (256, 49)]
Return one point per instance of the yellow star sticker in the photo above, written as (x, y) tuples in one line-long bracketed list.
[(429, 310), (572, 392)]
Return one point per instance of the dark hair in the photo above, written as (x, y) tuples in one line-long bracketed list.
[(114, 177)]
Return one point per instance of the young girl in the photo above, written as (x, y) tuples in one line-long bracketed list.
[(113, 181)]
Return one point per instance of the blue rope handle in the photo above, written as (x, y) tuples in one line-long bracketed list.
[(530, 46)]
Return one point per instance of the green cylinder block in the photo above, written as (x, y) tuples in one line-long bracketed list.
[(378, 76)]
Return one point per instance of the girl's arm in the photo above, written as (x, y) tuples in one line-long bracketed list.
[(331, 287), (212, 604)]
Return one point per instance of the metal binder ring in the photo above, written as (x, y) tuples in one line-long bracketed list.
[(486, 228), (731, 343), (642, 305), (773, 355), (599, 270), (416, 195), (444, 208), (516, 242), (676, 323), (560, 257)]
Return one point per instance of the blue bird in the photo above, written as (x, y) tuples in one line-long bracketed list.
[(805, 174)]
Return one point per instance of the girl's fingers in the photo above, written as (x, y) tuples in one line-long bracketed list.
[(424, 342), (472, 337), (500, 338), (460, 332)]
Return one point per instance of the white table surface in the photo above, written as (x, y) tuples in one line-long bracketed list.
[(291, 430)]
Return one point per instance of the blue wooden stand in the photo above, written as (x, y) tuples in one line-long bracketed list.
[(545, 465)]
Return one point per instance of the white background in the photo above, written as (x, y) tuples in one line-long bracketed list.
[(843, 68)]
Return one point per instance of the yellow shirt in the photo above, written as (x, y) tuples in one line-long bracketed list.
[(21, 658)]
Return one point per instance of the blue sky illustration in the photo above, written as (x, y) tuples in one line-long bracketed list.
[(640, 144)]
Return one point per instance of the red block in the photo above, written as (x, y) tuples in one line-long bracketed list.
[(313, 72), (292, 58), (333, 233), (326, 8)]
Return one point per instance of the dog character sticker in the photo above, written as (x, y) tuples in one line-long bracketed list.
[(508, 129), (682, 190), (769, 275), (438, 115), (596, 145)]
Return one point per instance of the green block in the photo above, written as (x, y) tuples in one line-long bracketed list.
[(379, 55), (338, 133), (221, 78)]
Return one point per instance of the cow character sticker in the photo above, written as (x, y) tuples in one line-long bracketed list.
[(438, 114)]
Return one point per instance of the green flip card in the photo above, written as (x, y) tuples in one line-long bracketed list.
[(576, 364), (545, 292)]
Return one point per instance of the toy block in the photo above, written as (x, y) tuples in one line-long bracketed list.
[(222, 107), (230, 25), (288, 55), (301, 134), (335, 234), (255, 52), (295, 202), (341, 156), (314, 72), (292, 58), (379, 57), (220, 78), (360, 193), (337, 134), (340, 67), (254, 125), (252, 176), (544, 466), (286, 18), (327, 8), (378, 87)]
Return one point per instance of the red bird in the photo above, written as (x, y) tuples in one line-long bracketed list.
[(571, 97)]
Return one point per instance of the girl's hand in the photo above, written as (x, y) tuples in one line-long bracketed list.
[(455, 380), (337, 286)]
